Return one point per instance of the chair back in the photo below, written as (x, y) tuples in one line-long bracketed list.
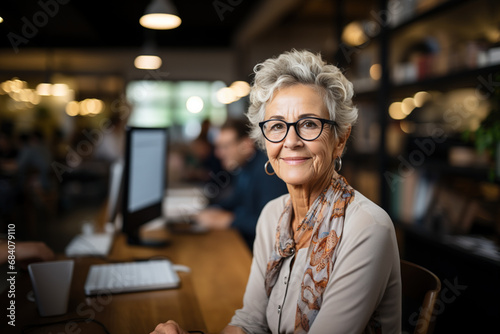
[(420, 290)]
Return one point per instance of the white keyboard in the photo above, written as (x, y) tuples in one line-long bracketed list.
[(131, 276), (98, 244)]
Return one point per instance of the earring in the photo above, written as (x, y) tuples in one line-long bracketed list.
[(265, 168), (338, 164)]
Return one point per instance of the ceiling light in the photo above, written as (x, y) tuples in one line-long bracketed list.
[(194, 104), (44, 89), (147, 62), (57, 89), (160, 15), (60, 89), (240, 88), (226, 95), (148, 59)]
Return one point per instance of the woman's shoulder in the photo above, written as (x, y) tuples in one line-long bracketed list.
[(363, 212), (369, 229)]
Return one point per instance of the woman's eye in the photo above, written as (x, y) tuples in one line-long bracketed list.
[(309, 124), (276, 127)]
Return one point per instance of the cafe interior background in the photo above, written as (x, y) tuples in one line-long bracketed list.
[(427, 85)]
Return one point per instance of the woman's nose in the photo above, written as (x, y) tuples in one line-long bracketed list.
[(292, 139)]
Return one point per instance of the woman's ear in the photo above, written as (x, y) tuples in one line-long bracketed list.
[(342, 142)]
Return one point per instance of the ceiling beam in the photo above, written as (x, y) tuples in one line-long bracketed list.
[(267, 14)]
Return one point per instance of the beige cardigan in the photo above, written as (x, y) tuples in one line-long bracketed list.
[(365, 279)]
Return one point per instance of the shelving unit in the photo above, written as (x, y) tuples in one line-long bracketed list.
[(462, 64)]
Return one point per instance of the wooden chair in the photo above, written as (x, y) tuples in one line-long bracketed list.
[(420, 290)]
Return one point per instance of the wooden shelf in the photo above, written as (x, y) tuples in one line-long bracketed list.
[(477, 78), (467, 77), (435, 11), (446, 255)]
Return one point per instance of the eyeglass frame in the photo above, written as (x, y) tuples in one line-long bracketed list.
[(288, 125)]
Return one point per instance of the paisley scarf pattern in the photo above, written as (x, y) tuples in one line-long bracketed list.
[(326, 220)]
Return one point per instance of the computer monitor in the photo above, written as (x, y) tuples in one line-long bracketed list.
[(144, 180)]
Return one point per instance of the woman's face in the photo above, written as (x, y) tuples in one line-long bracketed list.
[(296, 161)]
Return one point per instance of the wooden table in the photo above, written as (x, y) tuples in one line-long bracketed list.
[(208, 296)]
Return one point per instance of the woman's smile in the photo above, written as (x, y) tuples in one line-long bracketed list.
[(295, 160)]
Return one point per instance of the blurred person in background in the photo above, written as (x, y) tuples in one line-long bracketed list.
[(8, 168), (201, 162), (109, 142), (251, 189), (35, 186), (34, 160)]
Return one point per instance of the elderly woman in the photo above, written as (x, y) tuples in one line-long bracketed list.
[(325, 257)]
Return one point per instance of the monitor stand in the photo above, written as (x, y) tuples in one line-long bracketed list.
[(135, 240)]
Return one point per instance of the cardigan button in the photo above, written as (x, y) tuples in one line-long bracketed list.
[(279, 309)]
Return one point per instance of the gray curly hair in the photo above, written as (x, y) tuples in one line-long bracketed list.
[(301, 67)]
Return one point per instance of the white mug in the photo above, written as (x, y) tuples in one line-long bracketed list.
[(51, 284)]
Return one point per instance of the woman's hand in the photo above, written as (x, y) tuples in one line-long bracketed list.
[(215, 218), (169, 327), (27, 252)]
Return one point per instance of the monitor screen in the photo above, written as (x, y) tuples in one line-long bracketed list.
[(144, 176)]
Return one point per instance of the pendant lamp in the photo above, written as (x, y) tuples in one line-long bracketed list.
[(160, 15), (148, 58)]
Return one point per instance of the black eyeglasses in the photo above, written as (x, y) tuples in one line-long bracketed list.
[(307, 128)]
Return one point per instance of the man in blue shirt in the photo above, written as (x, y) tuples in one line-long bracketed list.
[(252, 188)]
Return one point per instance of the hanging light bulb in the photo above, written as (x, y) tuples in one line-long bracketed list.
[(148, 60), (226, 95), (44, 89), (240, 88), (160, 15)]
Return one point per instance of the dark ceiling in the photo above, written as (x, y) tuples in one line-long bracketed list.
[(115, 23)]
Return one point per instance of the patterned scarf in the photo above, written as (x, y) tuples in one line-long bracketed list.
[(326, 219)]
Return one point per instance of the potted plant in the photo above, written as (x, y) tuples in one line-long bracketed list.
[(487, 137)]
